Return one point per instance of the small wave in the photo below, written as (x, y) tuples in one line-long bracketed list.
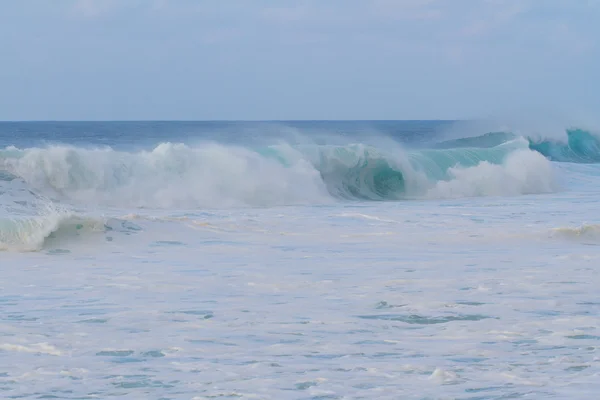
[(32, 233), (583, 232)]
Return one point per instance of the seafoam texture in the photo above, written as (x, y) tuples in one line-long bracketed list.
[(437, 296)]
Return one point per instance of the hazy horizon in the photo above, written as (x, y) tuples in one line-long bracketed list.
[(235, 120)]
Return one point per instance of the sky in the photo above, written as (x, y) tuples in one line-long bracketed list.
[(303, 59)]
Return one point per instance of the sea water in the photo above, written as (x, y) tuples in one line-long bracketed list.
[(299, 260)]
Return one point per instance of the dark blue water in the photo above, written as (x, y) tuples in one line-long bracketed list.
[(146, 134)]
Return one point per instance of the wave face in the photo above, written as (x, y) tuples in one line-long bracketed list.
[(218, 176), (580, 146)]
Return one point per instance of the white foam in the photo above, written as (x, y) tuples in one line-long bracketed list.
[(523, 172), (171, 175), (219, 176), (39, 348)]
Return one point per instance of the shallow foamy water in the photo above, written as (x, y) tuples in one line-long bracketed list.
[(471, 299)]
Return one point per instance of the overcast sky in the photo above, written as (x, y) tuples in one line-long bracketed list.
[(284, 59)]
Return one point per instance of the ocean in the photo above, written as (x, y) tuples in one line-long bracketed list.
[(298, 260)]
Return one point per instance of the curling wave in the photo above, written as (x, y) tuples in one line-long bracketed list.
[(214, 175)]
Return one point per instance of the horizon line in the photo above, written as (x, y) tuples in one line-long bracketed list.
[(229, 120)]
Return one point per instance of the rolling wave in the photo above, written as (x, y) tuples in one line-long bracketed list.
[(580, 146), (34, 232), (589, 232), (217, 176)]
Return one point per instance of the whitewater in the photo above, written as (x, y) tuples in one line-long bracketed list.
[(298, 260)]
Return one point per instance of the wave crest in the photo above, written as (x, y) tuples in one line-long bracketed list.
[(171, 175), (219, 176), (579, 145)]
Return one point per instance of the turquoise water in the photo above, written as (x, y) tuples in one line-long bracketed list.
[(579, 145), (334, 260)]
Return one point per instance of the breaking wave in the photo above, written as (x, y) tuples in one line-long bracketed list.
[(217, 176), (579, 146)]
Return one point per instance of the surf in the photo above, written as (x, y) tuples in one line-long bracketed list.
[(578, 145), (212, 175)]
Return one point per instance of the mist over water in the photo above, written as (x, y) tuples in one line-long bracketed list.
[(296, 168)]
